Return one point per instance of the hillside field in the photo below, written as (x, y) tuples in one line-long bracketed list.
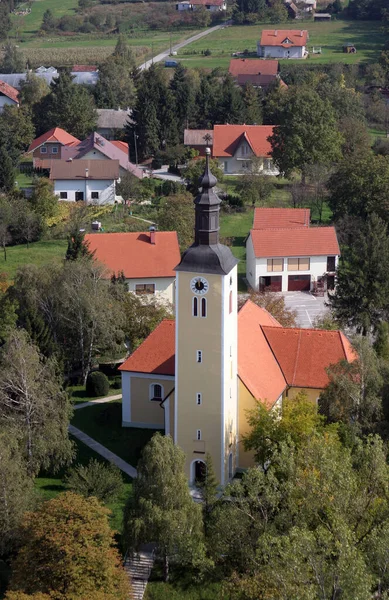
[(330, 36)]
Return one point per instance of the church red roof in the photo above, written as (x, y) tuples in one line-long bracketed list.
[(156, 354)]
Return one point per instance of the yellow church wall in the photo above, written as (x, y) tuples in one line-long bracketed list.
[(143, 410), (193, 334), (312, 393), (246, 402)]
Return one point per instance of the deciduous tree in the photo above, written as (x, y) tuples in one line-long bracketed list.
[(104, 481), (176, 214)]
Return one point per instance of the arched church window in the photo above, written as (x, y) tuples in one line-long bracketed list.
[(203, 307), (156, 392), (195, 307), (230, 301)]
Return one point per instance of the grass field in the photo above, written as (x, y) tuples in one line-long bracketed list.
[(103, 423), (48, 486), (330, 36), (79, 394), (39, 253)]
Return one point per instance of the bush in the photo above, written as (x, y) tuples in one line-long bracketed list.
[(207, 52), (95, 479), (97, 384)]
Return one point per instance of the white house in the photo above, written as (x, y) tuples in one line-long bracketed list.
[(8, 95), (285, 254), (91, 181), (283, 43), (146, 259), (235, 146)]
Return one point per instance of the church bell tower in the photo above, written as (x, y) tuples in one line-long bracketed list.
[(206, 386)]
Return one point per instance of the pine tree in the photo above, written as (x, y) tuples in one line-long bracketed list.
[(7, 171), (77, 246), (13, 60), (381, 344), (182, 90), (124, 53), (361, 297), (231, 106), (208, 489), (253, 109)]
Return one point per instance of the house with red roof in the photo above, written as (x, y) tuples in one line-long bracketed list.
[(235, 146), (284, 253), (260, 73), (8, 95), (274, 363), (283, 43), (147, 260), (48, 147)]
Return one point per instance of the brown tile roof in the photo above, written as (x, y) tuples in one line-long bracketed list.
[(133, 253), (84, 68), (305, 354), (9, 91), (277, 37), (227, 138), (156, 354), (313, 241), (257, 366), (54, 135), (76, 169), (195, 137), (255, 66), (276, 218)]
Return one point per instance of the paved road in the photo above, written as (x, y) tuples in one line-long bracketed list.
[(307, 307), (164, 55), (98, 401)]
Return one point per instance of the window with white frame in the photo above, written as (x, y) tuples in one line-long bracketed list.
[(63, 195), (198, 435), (199, 398), (199, 356), (54, 150), (43, 150), (94, 195), (156, 392)]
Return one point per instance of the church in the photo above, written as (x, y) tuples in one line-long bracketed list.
[(196, 376)]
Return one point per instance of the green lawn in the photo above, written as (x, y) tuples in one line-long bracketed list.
[(39, 253), (78, 394), (48, 486), (157, 590), (331, 36), (103, 423)]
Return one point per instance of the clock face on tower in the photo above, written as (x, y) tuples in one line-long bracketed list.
[(199, 285)]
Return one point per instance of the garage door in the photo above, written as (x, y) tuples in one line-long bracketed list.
[(274, 283), (299, 283)]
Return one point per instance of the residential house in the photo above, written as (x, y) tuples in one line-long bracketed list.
[(8, 95), (284, 253), (260, 73), (48, 146), (90, 181), (195, 377), (96, 147), (235, 146), (210, 5), (49, 74), (283, 43), (84, 69), (198, 139), (147, 260), (111, 123)]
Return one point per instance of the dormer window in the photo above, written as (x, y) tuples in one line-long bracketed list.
[(287, 41)]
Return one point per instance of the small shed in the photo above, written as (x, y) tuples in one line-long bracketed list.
[(349, 48), (322, 17)]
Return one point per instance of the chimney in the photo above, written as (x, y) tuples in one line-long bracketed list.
[(86, 172), (301, 33), (275, 32), (152, 234)]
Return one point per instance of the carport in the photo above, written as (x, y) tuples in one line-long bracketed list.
[(299, 283)]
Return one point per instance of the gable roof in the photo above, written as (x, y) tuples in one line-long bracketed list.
[(195, 137), (156, 354), (256, 66), (109, 118), (257, 367), (312, 241), (9, 91), (304, 354), (276, 218), (133, 253), (278, 37), (97, 142), (54, 135), (227, 139), (83, 169)]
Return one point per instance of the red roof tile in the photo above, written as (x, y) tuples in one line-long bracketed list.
[(257, 366), (9, 91), (313, 241), (121, 145), (156, 354), (54, 135), (133, 253), (305, 354), (276, 218), (277, 37), (227, 138), (84, 69), (257, 66)]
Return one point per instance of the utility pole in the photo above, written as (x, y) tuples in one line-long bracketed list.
[(152, 53), (136, 149), (171, 44)]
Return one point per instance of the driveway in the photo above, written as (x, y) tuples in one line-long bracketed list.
[(164, 55), (307, 307)]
